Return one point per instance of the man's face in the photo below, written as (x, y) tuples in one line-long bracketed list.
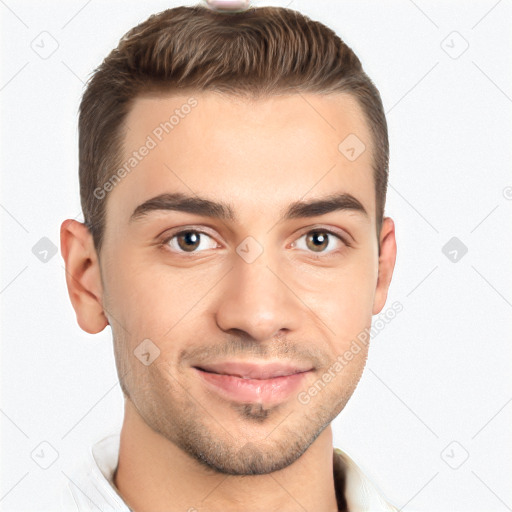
[(260, 287)]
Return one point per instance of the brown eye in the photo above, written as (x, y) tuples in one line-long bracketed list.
[(189, 241), (317, 240), (321, 241)]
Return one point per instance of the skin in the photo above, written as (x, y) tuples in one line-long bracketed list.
[(183, 446)]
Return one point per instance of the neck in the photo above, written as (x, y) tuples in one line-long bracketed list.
[(153, 474)]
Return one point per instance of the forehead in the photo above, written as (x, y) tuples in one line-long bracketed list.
[(260, 154)]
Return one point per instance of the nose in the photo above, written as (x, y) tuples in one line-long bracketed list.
[(257, 299)]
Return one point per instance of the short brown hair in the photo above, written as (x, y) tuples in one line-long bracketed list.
[(254, 53)]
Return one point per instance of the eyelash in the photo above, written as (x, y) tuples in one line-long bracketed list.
[(164, 243)]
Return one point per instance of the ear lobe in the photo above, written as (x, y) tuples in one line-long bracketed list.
[(83, 276), (387, 260)]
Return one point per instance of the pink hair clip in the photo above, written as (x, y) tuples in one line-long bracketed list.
[(228, 5)]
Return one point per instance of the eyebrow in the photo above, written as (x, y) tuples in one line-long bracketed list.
[(223, 211)]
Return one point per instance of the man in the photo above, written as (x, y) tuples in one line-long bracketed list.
[(233, 173)]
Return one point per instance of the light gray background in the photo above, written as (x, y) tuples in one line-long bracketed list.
[(437, 387)]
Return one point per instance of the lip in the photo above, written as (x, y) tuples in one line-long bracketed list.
[(247, 370), (246, 382)]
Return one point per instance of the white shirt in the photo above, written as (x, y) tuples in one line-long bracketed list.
[(90, 487)]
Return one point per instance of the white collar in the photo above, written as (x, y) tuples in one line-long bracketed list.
[(360, 493)]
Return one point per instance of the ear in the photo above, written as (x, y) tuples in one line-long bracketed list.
[(83, 276), (387, 259)]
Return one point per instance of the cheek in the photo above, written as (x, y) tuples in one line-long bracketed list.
[(150, 299), (344, 296)]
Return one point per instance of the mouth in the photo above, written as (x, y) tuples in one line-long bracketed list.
[(249, 382), (254, 371)]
